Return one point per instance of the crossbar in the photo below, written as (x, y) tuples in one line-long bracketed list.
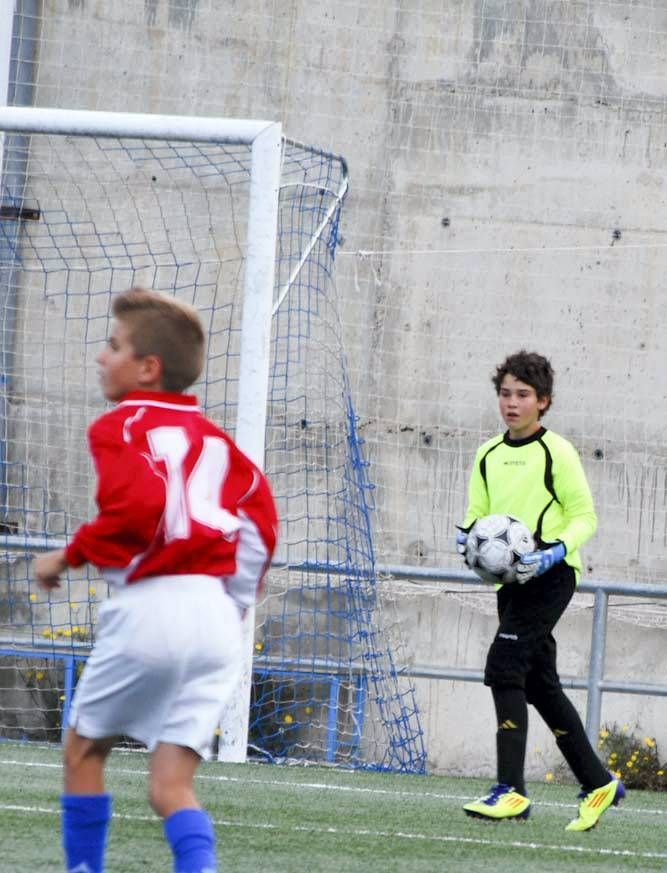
[(181, 128)]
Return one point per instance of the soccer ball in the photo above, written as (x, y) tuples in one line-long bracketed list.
[(495, 545)]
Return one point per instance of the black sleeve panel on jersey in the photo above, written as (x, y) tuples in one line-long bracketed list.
[(482, 463), (549, 485), (548, 471)]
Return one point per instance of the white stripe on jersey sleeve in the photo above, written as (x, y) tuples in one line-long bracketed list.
[(251, 561)]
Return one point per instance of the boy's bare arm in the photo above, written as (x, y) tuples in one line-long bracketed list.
[(48, 567)]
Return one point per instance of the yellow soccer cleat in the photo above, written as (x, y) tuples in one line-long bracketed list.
[(502, 802), (595, 803)]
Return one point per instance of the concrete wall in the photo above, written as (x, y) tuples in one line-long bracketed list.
[(452, 628), (507, 189)]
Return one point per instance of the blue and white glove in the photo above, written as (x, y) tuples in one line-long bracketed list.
[(534, 564), (461, 541)]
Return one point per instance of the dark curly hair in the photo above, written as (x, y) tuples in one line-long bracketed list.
[(529, 367)]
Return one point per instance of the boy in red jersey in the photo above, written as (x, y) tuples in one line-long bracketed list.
[(185, 531)]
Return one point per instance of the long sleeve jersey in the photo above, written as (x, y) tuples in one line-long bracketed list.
[(175, 496), (539, 480)]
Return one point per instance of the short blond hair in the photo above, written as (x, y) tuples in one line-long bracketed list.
[(167, 328)]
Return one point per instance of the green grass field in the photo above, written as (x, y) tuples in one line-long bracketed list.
[(294, 819)]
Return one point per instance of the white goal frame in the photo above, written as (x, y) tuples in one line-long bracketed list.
[(266, 143)]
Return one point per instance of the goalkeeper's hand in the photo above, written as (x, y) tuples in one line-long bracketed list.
[(461, 541), (534, 564)]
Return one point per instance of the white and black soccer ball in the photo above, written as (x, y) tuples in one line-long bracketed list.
[(495, 546)]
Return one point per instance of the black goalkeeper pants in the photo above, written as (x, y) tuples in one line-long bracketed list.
[(521, 669)]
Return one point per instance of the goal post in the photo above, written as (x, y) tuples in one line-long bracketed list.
[(254, 384), (265, 140), (244, 224)]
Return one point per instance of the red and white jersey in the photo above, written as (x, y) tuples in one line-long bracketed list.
[(175, 496)]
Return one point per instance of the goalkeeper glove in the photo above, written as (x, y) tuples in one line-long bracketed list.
[(534, 564), (461, 541)]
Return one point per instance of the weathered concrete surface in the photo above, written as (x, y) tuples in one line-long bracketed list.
[(537, 129)]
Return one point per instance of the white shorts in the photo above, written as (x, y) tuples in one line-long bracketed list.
[(166, 660)]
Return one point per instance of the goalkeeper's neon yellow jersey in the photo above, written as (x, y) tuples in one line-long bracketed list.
[(539, 480)]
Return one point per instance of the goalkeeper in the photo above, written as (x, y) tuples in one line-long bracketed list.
[(535, 475), (185, 530)]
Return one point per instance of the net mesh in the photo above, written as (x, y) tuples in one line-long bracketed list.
[(86, 217)]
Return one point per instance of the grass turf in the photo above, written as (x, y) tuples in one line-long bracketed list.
[(292, 819)]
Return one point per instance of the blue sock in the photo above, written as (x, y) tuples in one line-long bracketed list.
[(190, 834), (85, 822)]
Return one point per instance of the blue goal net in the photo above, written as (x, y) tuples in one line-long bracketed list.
[(82, 218)]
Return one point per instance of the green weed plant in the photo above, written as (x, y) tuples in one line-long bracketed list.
[(632, 757)]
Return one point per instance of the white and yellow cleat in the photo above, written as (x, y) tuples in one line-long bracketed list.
[(595, 803), (502, 802)]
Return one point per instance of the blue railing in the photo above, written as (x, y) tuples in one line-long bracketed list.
[(595, 683)]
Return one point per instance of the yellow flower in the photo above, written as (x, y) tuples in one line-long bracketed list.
[(92, 591), (33, 598), (661, 772), (217, 732), (625, 728), (604, 734), (288, 719), (62, 697), (259, 647), (39, 675), (308, 710), (629, 764), (47, 633), (650, 742), (549, 777)]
